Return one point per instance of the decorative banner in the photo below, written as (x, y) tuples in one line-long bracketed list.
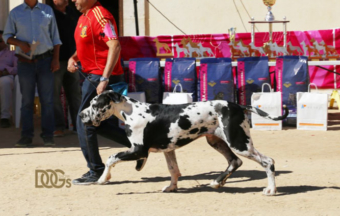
[(316, 45)]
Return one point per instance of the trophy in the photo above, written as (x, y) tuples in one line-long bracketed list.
[(232, 32), (269, 4)]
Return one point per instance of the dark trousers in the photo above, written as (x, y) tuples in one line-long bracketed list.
[(109, 128)]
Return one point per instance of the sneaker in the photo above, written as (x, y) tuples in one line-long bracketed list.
[(48, 141), (5, 123), (58, 133), (87, 179), (24, 142)]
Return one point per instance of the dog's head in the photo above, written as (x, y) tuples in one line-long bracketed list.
[(101, 108)]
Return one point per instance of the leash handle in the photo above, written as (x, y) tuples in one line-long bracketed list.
[(79, 69)]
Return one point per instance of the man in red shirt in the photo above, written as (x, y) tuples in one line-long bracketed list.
[(98, 51)]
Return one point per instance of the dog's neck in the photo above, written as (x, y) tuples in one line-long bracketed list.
[(123, 107)]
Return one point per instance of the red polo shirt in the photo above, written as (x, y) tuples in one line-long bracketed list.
[(93, 30)]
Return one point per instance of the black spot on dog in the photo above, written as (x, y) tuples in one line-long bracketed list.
[(128, 131), (137, 106), (140, 114), (272, 168), (203, 130), (156, 131), (210, 113), (198, 113), (193, 131), (183, 142), (233, 115), (201, 122), (131, 119), (184, 122), (147, 111), (124, 116), (133, 100)]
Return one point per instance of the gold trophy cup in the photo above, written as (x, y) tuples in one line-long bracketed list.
[(269, 4), (232, 32)]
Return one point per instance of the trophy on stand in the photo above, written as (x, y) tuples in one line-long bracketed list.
[(232, 32), (269, 4)]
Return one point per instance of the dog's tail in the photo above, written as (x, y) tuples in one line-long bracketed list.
[(266, 115)]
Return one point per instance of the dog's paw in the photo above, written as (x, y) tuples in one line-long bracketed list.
[(269, 191), (104, 179), (214, 184), (169, 189)]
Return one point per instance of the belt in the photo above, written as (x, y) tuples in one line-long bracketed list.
[(35, 57)]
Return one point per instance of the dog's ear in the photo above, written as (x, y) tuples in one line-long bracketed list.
[(115, 97)]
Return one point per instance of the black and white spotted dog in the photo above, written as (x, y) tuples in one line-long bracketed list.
[(165, 128)]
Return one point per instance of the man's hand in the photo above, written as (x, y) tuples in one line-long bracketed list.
[(55, 65), (71, 65), (101, 87)]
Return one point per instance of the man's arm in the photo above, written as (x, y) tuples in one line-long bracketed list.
[(112, 59), (24, 46)]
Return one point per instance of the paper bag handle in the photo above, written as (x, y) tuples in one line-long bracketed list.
[(314, 86), (178, 84), (270, 88)]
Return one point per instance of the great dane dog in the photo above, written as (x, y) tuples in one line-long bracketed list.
[(165, 128)]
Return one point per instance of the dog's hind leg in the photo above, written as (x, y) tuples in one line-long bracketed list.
[(135, 153), (174, 171), (233, 161), (267, 163)]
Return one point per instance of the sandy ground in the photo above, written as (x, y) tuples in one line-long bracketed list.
[(307, 177)]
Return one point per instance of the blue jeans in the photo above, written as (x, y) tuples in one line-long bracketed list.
[(109, 128), (70, 83), (30, 75)]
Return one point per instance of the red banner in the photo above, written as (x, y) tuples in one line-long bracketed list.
[(316, 45)]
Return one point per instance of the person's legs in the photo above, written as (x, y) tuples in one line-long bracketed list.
[(27, 80), (45, 82), (73, 94), (6, 95), (87, 134), (57, 106)]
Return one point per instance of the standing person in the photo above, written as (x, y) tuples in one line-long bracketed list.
[(66, 19), (98, 50), (8, 68), (32, 28)]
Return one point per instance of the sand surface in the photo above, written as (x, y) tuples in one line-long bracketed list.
[(307, 178)]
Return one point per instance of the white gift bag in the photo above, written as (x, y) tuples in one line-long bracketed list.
[(177, 97), (312, 110), (139, 96), (269, 102)]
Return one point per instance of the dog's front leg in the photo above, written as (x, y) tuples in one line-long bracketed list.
[(135, 153), (174, 171)]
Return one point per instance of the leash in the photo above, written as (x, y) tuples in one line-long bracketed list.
[(79, 69)]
